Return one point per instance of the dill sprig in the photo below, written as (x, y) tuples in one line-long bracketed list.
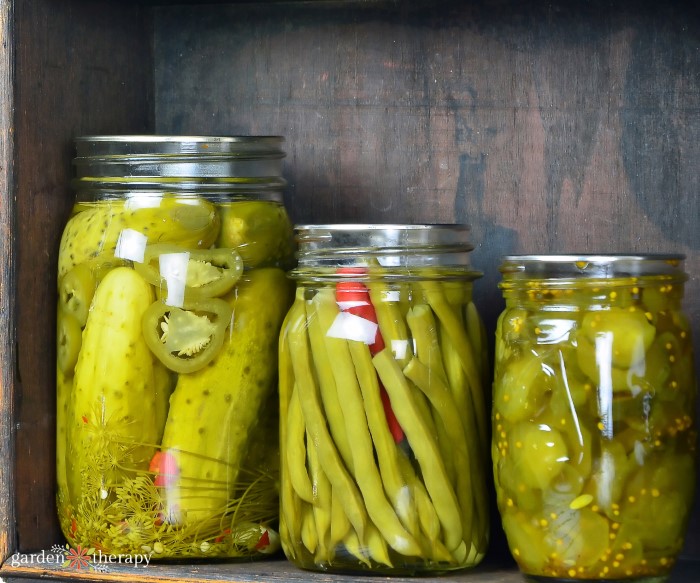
[(122, 511)]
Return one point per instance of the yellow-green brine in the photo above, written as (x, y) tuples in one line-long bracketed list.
[(172, 290), (382, 420), (594, 429)]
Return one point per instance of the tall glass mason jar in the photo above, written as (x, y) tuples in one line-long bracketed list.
[(594, 430), (172, 290), (383, 427)]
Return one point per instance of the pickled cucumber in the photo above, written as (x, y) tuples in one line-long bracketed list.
[(123, 228), (114, 404), (129, 346), (592, 435), (260, 231), (64, 388), (213, 411)]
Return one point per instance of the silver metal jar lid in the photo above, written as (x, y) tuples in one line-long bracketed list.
[(193, 157), (593, 266), (130, 145), (386, 245)]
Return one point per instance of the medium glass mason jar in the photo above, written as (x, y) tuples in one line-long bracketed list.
[(383, 427), (172, 290), (594, 433)]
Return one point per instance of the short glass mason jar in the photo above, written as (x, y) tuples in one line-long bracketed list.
[(382, 420), (172, 290), (594, 430)]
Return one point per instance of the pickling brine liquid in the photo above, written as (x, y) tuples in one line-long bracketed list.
[(171, 298), (383, 427), (594, 430)]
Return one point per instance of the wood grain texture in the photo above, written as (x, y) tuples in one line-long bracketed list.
[(270, 571), (82, 68), (547, 126), (7, 284)]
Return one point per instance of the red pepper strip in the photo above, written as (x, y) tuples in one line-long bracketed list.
[(264, 541), (358, 303), (164, 466)]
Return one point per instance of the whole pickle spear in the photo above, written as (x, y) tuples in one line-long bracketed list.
[(113, 411), (213, 410)]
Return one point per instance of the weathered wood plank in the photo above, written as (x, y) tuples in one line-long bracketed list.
[(547, 126), (7, 284), (82, 67), (271, 571)]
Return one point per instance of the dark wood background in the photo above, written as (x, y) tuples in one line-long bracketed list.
[(547, 126)]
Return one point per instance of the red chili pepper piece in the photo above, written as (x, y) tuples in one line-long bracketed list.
[(164, 466), (264, 541), (226, 532), (353, 297)]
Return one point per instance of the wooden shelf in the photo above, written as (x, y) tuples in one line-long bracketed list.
[(271, 571)]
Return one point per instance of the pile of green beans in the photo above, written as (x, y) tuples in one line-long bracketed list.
[(352, 496)]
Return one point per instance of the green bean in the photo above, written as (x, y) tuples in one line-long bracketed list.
[(427, 517), (455, 292), (438, 552), (425, 338), (286, 371), (288, 543), (290, 519), (423, 445), (321, 504), (296, 449), (458, 335), (445, 446), (390, 320), (427, 348), (477, 450), (461, 552), (473, 322), (477, 330), (473, 553), (376, 546), (387, 453), (364, 467), (424, 410), (316, 426), (395, 334), (441, 399), (289, 503), (309, 536), (340, 525), (355, 548), (327, 384)]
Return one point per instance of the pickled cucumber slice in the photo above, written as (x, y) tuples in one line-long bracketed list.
[(521, 391), (259, 230), (101, 228), (539, 452), (628, 333)]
